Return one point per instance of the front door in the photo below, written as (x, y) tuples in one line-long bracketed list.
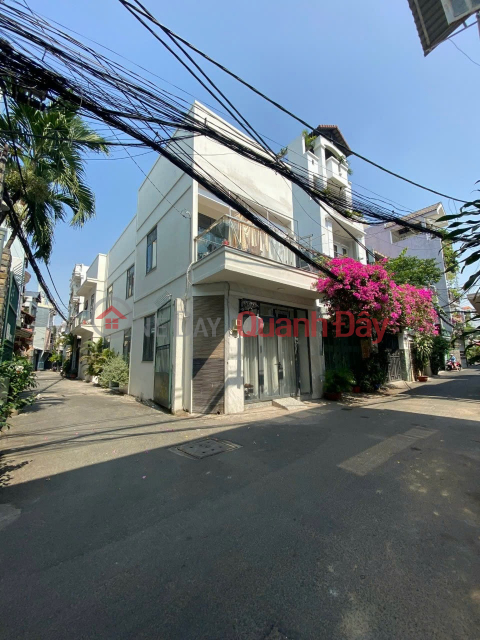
[(277, 360), (162, 381)]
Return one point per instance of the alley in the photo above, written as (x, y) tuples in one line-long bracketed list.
[(355, 521)]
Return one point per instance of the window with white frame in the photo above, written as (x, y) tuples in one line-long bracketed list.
[(151, 257), (148, 338), (130, 280), (109, 297)]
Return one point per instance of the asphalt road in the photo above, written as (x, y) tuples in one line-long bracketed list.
[(355, 522)]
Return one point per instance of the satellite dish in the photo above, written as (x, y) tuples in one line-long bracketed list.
[(437, 19)]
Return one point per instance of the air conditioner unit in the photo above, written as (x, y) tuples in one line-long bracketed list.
[(459, 9), (437, 19)]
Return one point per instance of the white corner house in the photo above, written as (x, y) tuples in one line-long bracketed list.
[(389, 239), (183, 270)]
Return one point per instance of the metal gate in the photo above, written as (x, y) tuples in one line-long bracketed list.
[(162, 380), (389, 344), (394, 366)]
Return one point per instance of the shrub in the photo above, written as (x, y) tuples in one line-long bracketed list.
[(115, 370), (18, 374), (373, 372), (95, 355), (338, 380)]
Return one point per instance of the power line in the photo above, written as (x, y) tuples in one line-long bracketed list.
[(215, 108), (173, 35), (465, 54), (99, 83)]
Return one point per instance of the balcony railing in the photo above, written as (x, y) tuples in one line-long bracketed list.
[(82, 318), (336, 169), (228, 231)]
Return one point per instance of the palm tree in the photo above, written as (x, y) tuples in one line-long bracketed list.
[(50, 145)]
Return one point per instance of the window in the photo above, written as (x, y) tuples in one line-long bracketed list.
[(148, 338), (92, 306), (152, 250), (127, 341), (109, 296), (130, 279), (106, 343), (339, 251)]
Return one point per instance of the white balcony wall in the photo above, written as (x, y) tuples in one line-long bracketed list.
[(244, 177)]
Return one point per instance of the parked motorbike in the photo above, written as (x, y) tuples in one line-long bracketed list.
[(453, 366)]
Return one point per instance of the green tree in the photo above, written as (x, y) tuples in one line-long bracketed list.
[(50, 145), (419, 272), (95, 355)]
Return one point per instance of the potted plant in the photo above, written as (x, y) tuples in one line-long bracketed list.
[(423, 346), (336, 382)]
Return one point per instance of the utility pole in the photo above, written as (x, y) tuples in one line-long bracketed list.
[(6, 257)]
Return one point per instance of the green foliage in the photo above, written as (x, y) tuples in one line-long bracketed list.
[(450, 259), (373, 372), (95, 355), (440, 348), (67, 365), (50, 145), (422, 350), (464, 227), (419, 272), (309, 140), (473, 354), (114, 371), (18, 374), (338, 380)]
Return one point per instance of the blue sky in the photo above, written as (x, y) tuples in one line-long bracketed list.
[(360, 67)]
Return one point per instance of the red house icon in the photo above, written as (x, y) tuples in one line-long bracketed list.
[(111, 323)]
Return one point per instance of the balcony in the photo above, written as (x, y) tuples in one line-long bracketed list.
[(87, 287), (337, 171), (237, 251), (82, 323)]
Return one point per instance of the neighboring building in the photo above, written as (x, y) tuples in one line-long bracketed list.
[(436, 20), (25, 325), (327, 167), (42, 330), (87, 299), (168, 293), (12, 282), (389, 240)]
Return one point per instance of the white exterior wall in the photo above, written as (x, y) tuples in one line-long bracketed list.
[(172, 211), (119, 259), (321, 225), (170, 200)]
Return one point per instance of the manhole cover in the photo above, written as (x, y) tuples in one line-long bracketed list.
[(205, 448)]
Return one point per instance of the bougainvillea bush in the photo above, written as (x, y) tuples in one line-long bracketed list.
[(371, 290)]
